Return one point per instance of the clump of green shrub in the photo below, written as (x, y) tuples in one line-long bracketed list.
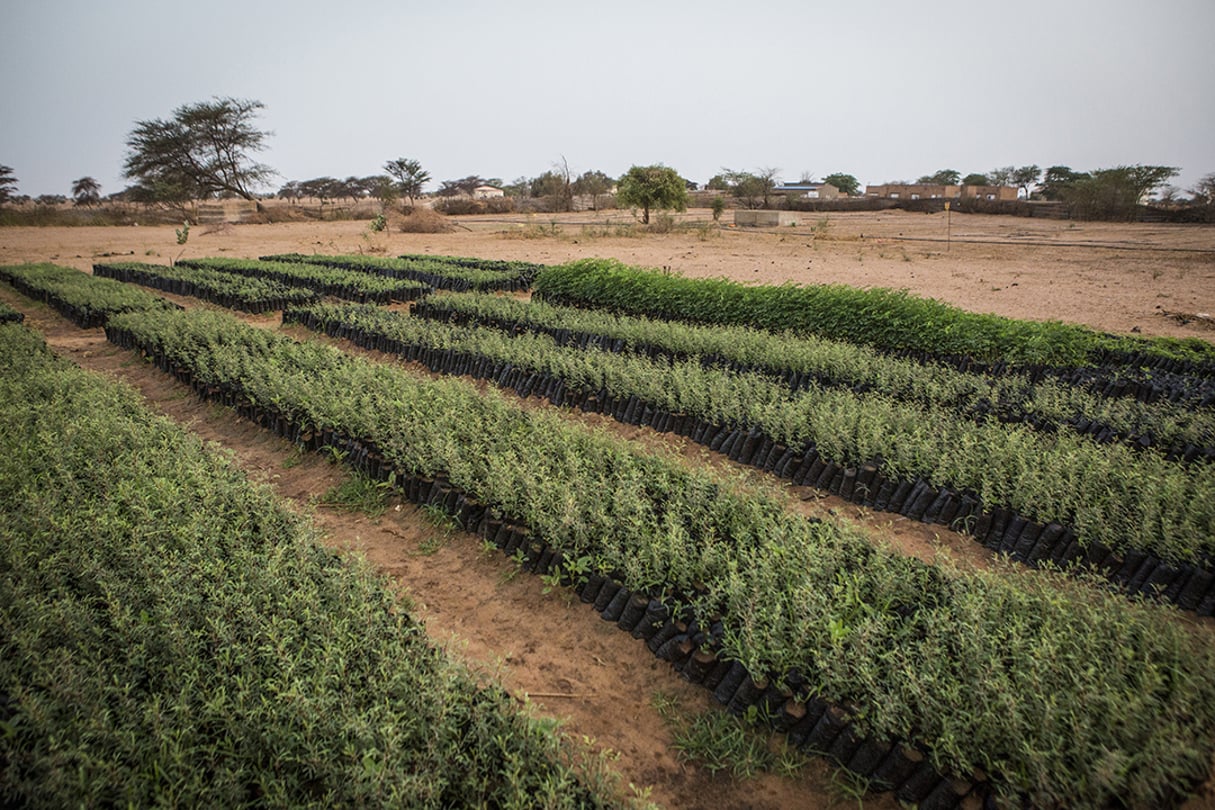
[(170, 635)]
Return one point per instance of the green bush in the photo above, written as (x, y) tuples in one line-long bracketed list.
[(1063, 693), (891, 320), (1109, 493), (170, 635)]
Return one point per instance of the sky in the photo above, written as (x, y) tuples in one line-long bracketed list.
[(884, 90)]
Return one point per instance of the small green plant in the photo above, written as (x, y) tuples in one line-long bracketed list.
[(718, 741), (443, 522), (439, 518), (429, 545), (380, 223), (849, 786), (719, 207), (183, 233), (359, 493)]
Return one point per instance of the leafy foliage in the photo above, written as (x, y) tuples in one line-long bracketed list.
[(1204, 190), (593, 183), (652, 187), (1025, 177), (174, 636), (1124, 500), (846, 183), (890, 320), (230, 289), (10, 315), (351, 285), (440, 272), (409, 175), (8, 184), (88, 301), (1064, 694), (943, 177), (796, 359), (205, 149), (86, 191), (752, 189), (1114, 193)]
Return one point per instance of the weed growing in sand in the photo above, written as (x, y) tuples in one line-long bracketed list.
[(358, 493), (718, 741)]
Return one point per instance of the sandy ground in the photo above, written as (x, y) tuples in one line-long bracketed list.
[(548, 647), (1114, 277)]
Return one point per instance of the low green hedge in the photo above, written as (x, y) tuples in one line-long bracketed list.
[(1064, 694), (170, 635), (1108, 493), (87, 301), (892, 320)]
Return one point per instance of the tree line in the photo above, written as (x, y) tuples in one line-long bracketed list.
[(206, 150)]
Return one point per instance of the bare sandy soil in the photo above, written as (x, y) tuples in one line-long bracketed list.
[(1114, 277), (548, 646)]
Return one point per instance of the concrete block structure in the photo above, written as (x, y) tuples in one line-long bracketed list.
[(810, 191), (913, 191), (764, 219)]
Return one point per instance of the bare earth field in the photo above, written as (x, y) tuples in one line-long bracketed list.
[(1111, 276), (548, 647)]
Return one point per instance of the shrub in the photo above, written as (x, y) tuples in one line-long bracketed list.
[(424, 220)]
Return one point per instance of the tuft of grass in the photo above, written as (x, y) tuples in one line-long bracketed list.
[(446, 525), (358, 493), (293, 460), (719, 741)]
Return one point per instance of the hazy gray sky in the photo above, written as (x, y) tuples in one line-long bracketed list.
[(884, 90)]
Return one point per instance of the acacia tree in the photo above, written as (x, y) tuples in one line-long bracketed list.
[(204, 150), (291, 191), (322, 188), (593, 183), (846, 183), (86, 191), (975, 179), (8, 184), (1115, 193), (942, 177), (465, 186), (1002, 176), (1204, 190), (1025, 177), (1057, 179), (557, 184), (753, 188), (409, 175), (656, 186)]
